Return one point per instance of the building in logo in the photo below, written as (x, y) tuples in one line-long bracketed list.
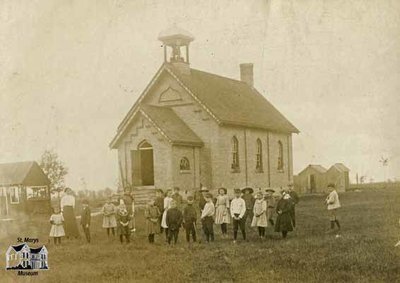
[(23, 257)]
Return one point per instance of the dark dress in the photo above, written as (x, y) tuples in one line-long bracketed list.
[(284, 219), (85, 222), (174, 221)]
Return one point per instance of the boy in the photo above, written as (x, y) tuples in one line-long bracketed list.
[(174, 221), (249, 201), (189, 219), (177, 197), (207, 220), (269, 198), (238, 210), (85, 219), (123, 219), (333, 204)]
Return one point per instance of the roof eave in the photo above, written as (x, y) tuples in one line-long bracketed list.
[(188, 143), (253, 126)]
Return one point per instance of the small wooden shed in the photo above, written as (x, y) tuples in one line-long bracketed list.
[(24, 188), (311, 180), (338, 174)]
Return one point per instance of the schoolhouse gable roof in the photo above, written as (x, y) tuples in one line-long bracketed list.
[(235, 102), (227, 101), (176, 131)]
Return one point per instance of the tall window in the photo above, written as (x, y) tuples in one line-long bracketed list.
[(184, 165), (235, 154), (280, 156), (259, 163)]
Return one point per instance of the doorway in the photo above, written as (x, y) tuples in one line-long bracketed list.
[(312, 183), (146, 163)]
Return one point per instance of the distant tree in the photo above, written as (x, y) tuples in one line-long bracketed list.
[(81, 194), (108, 192), (54, 168)]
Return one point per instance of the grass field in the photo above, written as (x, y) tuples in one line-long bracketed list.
[(364, 253)]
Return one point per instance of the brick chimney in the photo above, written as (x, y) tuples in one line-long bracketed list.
[(246, 73)]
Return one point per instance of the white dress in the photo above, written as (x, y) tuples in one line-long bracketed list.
[(260, 208), (222, 210), (57, 228), (167, 205)]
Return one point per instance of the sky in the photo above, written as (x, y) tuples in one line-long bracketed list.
[(70, 70)]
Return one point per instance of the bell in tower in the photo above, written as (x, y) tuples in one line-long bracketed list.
[(176, 47)]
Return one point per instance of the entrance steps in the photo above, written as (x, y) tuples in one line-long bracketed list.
[(143, 194)]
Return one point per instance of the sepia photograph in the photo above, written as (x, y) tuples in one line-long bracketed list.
[(199, 141)]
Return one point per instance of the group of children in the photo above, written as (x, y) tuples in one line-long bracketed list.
[(118, 219), (168, 214)]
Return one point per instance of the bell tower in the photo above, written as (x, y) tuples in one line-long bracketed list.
[(176, 48)]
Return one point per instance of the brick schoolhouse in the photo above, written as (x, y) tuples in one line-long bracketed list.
[(191, 128)]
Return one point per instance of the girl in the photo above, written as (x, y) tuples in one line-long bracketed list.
[(123, 223), (167, 205), (333, 204), (109, 220), (284, 219), (260, 215), (222, 211), (57, 229), (152, 214)]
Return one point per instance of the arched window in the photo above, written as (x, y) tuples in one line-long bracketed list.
[(280, 156), (259, 161), (235, 154), (184, 165)]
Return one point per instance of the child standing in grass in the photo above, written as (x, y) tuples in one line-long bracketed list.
[(57, 228), (123, 219), (222, 211), (167, 205), (260, 215), (207, 218), (152, 214), (238, 210), (189, 219), (333, 204), (109, 220), (284, 220), (174, 220), (85, 219)]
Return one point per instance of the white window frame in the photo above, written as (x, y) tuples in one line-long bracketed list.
[(16, 192)]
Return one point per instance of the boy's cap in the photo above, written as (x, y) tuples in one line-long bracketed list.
[(331, 185), (190, 198), (237, 191)]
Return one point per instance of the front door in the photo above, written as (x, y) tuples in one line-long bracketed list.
[(146, 164)]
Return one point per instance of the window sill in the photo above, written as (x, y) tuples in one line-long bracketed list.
[(281, 171), (185, 171), (235, 170), (259, 171)]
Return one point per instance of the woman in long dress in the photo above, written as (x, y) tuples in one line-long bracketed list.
[(260, 215), (167, 205), (67, 208), (222, 211)]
